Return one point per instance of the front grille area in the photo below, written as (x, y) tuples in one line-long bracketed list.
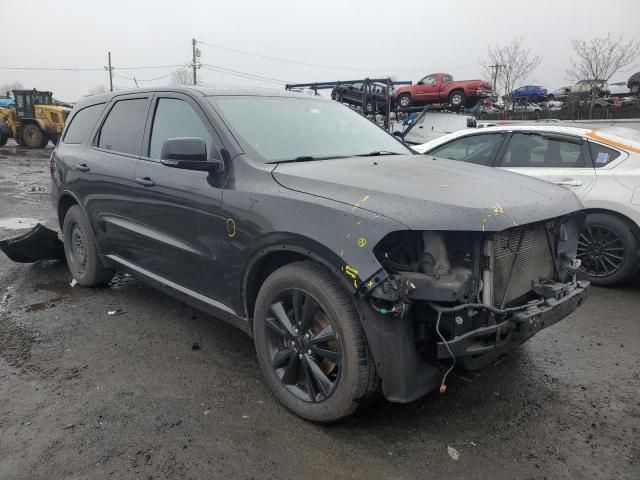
[(534, 262)]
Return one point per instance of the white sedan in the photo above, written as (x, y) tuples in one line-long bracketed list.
[(601, 166)]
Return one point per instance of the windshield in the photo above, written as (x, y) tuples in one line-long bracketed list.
[(287, 128)]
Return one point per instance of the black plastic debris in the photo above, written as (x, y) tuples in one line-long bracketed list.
[(39, 243)]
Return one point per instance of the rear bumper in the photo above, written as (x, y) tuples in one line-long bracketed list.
[(483, 346)]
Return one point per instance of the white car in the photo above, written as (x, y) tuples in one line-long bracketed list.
[(601, 166), (619, 89), (527, 107)]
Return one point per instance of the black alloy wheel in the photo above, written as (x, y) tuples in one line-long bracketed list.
[(608, 249), (310, 343), (304, 346)]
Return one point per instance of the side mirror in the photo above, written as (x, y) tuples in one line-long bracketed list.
[(420, 82), (189, 153)]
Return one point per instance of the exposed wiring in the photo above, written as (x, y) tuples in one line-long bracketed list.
[(443, 383)]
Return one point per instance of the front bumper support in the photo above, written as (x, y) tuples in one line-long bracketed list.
[(483, 346)]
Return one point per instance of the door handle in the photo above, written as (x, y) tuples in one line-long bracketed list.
[(572, 183), (146, 181), (82, 167)]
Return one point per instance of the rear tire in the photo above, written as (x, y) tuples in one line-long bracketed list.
[(33, 137), (608, 249), (81, 250), (3, 139), (457, 99), (320, 380)]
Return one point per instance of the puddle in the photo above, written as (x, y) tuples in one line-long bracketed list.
[(17, 223)]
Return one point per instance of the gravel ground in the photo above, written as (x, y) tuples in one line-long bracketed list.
[(164, 391)]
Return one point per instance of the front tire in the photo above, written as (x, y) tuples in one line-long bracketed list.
[(310, 344), (608, 249), (3, 139), (405, 101), (635, 88), (81, 250), (34, 137)]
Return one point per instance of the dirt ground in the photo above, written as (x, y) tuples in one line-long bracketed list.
[(162, 391)]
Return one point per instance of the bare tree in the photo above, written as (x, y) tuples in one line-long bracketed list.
[(514, 64), (8, 87), (599, 59), (181, 77)]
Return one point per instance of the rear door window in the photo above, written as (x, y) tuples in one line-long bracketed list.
[(122, 130), (82, 124), (602, 155), (534, 150), (478, 149), (175, 118)]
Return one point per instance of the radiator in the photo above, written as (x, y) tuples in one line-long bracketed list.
[(534, 261)]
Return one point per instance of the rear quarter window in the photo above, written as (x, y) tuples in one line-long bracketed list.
[(602, 155), (82, 124)]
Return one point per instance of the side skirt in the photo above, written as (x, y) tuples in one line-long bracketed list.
[(195, 299)]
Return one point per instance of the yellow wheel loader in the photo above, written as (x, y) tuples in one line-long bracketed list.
[(33, 120)]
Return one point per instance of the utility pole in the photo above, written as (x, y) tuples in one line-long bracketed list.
[(110, 70), (495, 69), (194, 61)]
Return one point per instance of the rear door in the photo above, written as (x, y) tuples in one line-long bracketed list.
[(178, 212), (109, 189), (561, 159)]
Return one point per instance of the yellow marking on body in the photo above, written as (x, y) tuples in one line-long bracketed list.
[(362, 242), (370, 284), (231, 228)]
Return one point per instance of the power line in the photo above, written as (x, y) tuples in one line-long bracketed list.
[(334, 67), (238, 73), (86, 69)]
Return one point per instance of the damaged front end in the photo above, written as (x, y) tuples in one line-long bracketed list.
[(459, 301), (39, 243)]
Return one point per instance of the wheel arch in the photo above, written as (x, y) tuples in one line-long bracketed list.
[(635, 229), (65, 202), (269, 258)]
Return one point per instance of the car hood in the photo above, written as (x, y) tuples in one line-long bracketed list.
[(425, 193)]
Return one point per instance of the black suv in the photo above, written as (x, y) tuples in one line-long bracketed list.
[(354, 94), (356, 265)]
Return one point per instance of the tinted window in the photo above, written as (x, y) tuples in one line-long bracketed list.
[(176, 118), (122, 130), (476, 149), (447, 78), (602, 155), (82, 124), (532, 150)]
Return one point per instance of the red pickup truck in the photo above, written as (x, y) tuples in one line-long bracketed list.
[(440, 88)]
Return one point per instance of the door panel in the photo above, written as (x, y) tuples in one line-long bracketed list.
[(429, 89), (179, 212), (108, 188)]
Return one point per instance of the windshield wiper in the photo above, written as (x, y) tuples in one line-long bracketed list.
[(304, 158), (377, 153)]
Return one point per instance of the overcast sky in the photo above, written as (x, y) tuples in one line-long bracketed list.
[(360, 38)]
